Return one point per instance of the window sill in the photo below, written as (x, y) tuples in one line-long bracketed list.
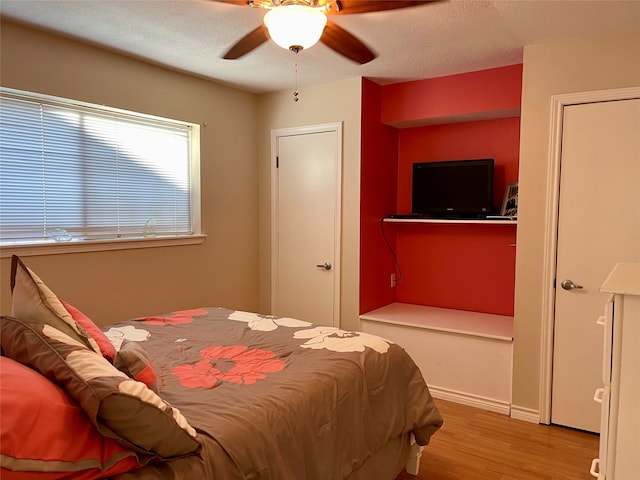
[(32, 249)]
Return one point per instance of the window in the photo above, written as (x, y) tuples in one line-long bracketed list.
[(75, 172)]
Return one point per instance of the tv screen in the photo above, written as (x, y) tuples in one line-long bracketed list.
[(455, 188)]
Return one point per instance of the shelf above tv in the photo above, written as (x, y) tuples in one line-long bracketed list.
[(460, 221)]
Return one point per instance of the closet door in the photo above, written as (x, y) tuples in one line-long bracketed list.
[(599, 226), (306, 201)]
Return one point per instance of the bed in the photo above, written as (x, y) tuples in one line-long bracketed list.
[(205, 393)]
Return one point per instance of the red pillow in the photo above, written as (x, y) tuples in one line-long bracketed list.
[(106, 347), (43, 430)]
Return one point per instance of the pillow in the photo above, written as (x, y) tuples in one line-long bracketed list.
[(44, 430), (118, 406), (31, 300), (134, 360), (106, 347)]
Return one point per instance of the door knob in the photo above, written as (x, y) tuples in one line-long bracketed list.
[(325, 265), (569, 285)]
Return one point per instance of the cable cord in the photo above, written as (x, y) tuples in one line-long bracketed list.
[(393, 253)]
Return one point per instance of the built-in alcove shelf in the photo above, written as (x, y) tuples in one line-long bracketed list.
[(477, 324), (466, 221)]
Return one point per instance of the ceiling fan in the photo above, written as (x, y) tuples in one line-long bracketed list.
[(286, 24)]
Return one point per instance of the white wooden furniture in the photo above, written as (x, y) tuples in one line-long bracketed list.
[(465, 357), (620, 394)]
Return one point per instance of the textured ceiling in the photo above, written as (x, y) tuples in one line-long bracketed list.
[(432, 40)]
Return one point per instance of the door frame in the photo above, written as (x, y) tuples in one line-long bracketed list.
[(554, 158), (335, 127)]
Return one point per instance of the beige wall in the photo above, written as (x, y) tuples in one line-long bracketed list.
[(111, 286), (331, 102), (578, 65)]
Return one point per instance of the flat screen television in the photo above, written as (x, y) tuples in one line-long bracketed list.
[(454, 188)]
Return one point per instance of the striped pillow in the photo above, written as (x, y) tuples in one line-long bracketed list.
[(118, 406)]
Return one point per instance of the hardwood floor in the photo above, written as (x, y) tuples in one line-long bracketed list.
[(475, 444)]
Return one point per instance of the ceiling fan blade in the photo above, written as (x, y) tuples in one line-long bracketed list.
[(243, 3), (338, 39), (347, 7), (251, 40)]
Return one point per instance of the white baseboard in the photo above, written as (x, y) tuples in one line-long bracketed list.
[(526, 414), (471, 400)]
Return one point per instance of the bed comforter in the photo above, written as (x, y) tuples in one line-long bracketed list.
[(279, 398)]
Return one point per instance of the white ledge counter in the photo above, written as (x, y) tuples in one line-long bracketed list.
[(464, 356)]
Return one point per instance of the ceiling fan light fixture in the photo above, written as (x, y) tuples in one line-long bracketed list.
[(295, 27)]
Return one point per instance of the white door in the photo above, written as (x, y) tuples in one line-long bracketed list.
[(306, 223), (598, 226)]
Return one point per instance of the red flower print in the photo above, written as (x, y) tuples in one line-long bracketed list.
[(177, 318), (196, 376), (235, 364)]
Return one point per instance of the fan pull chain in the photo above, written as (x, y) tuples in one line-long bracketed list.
[(295, 92)]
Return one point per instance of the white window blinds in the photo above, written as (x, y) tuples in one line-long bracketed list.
[(71, 172)]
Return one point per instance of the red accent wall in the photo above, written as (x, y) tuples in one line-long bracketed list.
[(378, 198), (458, 266), (465, 267)]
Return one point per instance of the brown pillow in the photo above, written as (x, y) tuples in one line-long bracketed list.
[(119, 407), (33, 301), (134, 360)]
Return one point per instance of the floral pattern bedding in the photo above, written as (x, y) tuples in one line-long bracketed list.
[(279, 398)]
